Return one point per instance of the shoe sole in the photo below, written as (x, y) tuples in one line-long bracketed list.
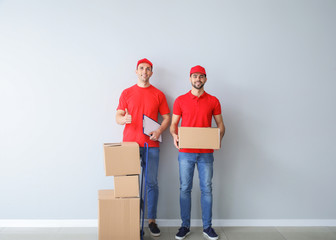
[(155, 234), (180, 238), (211, 238)]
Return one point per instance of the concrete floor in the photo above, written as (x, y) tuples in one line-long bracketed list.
[(168, 233)]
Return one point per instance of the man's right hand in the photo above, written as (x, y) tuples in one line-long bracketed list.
[(127, 117)]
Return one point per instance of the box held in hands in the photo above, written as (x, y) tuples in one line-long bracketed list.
[(199, 137)]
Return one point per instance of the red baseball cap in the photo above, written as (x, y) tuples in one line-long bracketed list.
[(197, 69), (144, 60)]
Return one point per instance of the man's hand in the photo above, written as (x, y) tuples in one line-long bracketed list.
[(176, 140), (127, 117), (123, 117), (154, 136), (221, 126), (173, 129)]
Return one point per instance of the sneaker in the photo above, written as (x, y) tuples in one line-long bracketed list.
[(210, 233), (182, 233), (153, 229)]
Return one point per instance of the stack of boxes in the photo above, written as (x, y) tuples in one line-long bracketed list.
[(119, 209)]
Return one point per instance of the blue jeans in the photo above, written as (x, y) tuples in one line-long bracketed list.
[(204, 162), (152, 182)]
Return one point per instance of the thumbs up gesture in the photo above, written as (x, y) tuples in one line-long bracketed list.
[(127, 117)]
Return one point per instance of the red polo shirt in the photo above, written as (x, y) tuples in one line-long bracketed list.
[(138, 101), (196, 112)]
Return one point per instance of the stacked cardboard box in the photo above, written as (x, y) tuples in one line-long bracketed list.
[(119, 209)]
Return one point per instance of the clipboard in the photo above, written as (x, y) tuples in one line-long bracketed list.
[(150, 125)]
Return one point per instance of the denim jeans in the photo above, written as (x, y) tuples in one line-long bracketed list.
[(204, 162), (152, 182)]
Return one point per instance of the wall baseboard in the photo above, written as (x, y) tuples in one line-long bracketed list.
[(48, 223), (253, 222), (171, 222)]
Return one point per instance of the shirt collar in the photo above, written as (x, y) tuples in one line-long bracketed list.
[(204, 94)]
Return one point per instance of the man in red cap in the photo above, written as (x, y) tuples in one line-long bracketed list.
[(134, 102), (196, 109)]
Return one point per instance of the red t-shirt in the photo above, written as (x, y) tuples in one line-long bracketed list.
[(138, 101), (196, 112)]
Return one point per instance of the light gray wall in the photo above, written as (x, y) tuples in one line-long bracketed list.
[(272, 64)]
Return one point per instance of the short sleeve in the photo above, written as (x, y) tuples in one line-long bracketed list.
[(217, 108), (177, 108), (122, 101), (163, 108)]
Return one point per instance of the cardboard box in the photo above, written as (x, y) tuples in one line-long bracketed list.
[(199, 138), (121, 158), (118, 218), (126, 186)]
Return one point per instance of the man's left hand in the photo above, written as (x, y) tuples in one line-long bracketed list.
[(154, 136)]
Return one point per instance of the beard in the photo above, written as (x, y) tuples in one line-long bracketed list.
[(197, 86), (144, 79)]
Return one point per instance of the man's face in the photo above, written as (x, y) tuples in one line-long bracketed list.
[(144, 72), (198, 80)]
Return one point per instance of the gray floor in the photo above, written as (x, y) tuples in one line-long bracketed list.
[(168, 233)]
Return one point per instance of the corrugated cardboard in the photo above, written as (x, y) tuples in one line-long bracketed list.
[(199, 138), (121, 158), (118, 218), (126, 186)]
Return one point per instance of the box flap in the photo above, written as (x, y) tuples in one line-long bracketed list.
[(106, 194), (112, 144), (129, 144)]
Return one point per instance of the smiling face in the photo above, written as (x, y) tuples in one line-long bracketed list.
[(144, 72), (198, 80)]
